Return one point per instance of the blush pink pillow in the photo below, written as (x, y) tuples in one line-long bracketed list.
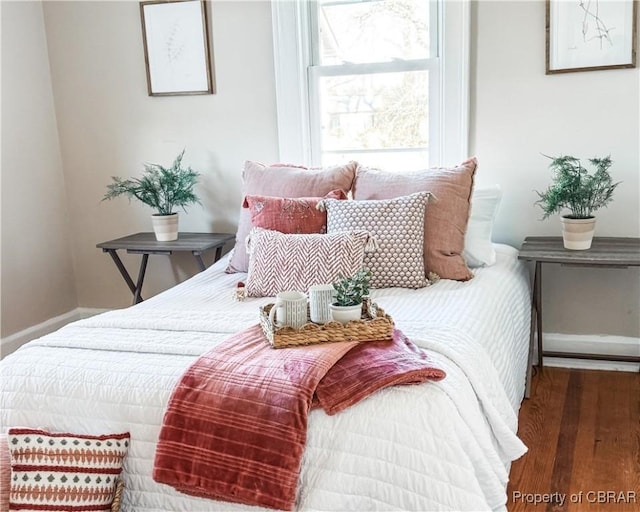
[(445, 223), (290, 215), (282, 180)]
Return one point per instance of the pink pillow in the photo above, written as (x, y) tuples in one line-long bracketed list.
[(290, 215), (281, 180), (308, 259), (445, 223)]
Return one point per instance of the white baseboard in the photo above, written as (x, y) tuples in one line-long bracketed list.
[(15, 341), (591, 344)]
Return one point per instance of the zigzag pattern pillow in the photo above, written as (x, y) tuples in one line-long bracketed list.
[(280, 262), (397, 225), (59, 471)]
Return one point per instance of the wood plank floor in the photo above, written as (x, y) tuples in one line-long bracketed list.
[(583, 432)]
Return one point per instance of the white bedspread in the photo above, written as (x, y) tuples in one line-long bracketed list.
[(436, 446)]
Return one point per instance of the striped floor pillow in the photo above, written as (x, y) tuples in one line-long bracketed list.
[(64, 472)]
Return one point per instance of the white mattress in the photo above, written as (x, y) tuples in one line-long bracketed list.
[(436, 446)]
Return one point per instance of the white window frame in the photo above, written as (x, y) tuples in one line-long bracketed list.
[(296, 98)]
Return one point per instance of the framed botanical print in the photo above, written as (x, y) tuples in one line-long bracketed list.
[(589, 35), (176, 47)]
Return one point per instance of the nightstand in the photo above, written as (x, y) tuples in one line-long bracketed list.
[(146, 244), (604, 253)]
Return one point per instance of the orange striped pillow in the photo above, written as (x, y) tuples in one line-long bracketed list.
[(60, 471)]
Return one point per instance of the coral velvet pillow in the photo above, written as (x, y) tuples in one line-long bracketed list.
[(280, 180), (446, 223), (288, 214), (279, 262), (51, 471), (397, 226)]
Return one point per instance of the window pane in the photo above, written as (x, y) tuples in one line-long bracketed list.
[(374, 112), (362, 31)]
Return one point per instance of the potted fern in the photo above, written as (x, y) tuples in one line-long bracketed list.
[(162, 188), (350, 292), (573, 188)]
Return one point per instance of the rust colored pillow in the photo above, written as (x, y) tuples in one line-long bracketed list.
[(446, 222), (282, 180), (290, 215)]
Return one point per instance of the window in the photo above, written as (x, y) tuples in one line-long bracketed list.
[(370, 80)]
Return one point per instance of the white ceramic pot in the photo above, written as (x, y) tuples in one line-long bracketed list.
[(345, 314), (578, 233), (165, 227)]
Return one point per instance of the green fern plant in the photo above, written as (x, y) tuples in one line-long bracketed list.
[(162, 188), (350, 291), (575, 189)]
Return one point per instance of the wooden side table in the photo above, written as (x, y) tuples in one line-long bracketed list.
[(146, 244), (604, 253)]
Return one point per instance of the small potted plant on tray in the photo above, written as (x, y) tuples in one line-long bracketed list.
[(162, 188), (350, 292), (580, 192)]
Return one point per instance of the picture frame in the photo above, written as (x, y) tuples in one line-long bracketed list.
[(177, 52), (590, 35)]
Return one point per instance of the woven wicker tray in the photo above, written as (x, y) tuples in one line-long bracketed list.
[(374, 325)]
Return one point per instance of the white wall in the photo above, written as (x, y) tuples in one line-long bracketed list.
[(37, 272), (518, 113), (109, 126)]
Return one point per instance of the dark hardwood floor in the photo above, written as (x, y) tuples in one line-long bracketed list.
[(583, 432)]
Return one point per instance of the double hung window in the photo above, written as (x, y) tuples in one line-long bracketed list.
[(366, 80)]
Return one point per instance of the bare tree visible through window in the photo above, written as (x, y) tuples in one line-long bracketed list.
[(385, 109)]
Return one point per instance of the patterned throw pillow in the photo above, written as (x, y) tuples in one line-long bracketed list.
[(397, 226), (5, 473), (290, 215), (446, 223), (279, 262), (283, 180), (52, 471)]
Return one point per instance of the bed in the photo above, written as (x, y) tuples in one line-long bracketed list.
[(442, 445)]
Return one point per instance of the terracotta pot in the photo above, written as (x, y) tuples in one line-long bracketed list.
[(345, 314), (165, 227), (578, 233)]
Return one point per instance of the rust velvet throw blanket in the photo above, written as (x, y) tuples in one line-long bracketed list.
[(236, 424)]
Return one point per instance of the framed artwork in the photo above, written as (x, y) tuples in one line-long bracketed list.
[(589, 35), (176, 47)]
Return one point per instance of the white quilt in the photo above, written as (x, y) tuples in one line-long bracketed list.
[(435, 446)]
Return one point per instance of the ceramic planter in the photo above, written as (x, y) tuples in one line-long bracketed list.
[(165, 227), (578, 233), (345, 314)]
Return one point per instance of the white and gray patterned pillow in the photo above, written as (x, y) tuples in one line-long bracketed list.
[(397, 226), (281, 262)]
